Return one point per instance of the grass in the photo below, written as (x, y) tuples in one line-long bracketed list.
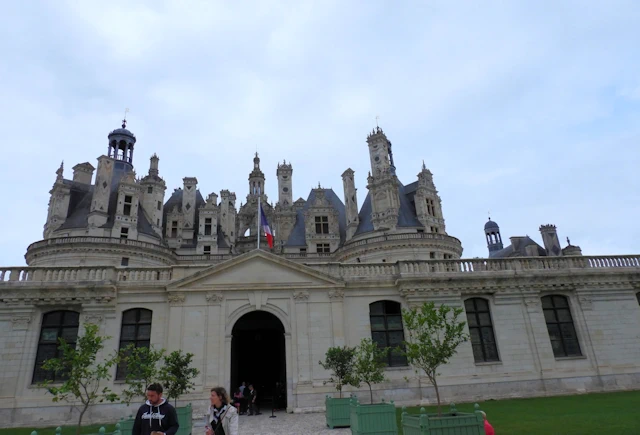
[(600, 413), (66, 430)]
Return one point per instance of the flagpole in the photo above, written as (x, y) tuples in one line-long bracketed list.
[(259, 217)]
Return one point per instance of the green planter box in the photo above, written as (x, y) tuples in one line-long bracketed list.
[(374, 419), (450, 423), (185, 419), (337, 412)]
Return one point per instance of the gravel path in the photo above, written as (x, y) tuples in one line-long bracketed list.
[(283, 424)]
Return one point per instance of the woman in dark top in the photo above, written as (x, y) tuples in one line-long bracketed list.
[(222, 417)]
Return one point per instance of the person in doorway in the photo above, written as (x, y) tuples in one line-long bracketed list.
[(253, 401), (488, 429), (222, 417), (244, 391), (156, 416), (237, 398)]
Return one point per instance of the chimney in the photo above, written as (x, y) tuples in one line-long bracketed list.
[(153, 167), (550, 240), (83, 173)]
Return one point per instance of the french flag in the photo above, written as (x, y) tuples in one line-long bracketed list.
[(266, 228)]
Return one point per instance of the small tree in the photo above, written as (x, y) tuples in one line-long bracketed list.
[(434, 336), (340, 361), (368, 365), (141, 365), (82, 373), (177, 374)]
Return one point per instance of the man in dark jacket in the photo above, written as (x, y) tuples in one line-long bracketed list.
[(253, 401), (156, 416)]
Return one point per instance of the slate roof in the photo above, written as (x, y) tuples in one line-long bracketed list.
[(491, 225), (519, 249), (407, 214), (297, 236)]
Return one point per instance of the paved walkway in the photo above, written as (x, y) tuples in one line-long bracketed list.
[(283, 424)]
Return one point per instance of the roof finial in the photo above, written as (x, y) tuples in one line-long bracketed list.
[(124, 121), (489, 213), (377, 119), (423, 165), (568, 241), (319, 185)]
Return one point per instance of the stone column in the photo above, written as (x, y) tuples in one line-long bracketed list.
[(215, 333), (174, 334), (301, 299), (337, 317)]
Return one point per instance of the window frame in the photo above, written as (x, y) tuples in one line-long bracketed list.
[(124, 233), (208, 226), (479, 326), (323, 248), (40, 375), (562, 340), (322, 224), (127, 205), (121, 373), (386, 313)]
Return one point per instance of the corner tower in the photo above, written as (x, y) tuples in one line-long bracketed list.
[(382, 182), (428, 203), (285, 191)]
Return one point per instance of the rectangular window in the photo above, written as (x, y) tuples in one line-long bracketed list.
[(159, 205), (128, 200), (483, 341), (431, 210), (207, 226), (420, 231), (174, 229), (432, 255), (124, 261), (135, 332), (303, 251), (150, 189), (207, 250), (124, 233), (323, 248), (322, 224)]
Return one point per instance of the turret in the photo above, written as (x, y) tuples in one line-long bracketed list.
[(228, 215), (58, 203), (208, 226), (153, 190), (285, 191), (428, 203), (350, 202), (256, 179), (494, 239), (125, 225), (189, 207), (382, 183)]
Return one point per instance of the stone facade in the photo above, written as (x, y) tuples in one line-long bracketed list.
[(394, 250)]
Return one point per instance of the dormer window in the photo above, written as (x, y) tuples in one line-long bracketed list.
[(322, 225), (124, 233), (207, 250), (207, 227), (128, 200), (174, 229), (150, 189), (323, 248)]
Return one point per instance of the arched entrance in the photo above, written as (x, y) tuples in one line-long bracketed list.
[(258, 357)]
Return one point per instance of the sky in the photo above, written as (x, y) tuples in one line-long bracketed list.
[(529, 111)]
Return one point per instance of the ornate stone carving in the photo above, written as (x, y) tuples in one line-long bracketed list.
[(301, 296), (93, 318), (585, 302), (214, 298), (336, 295), (20, 322), (176, 298), (532, 302)]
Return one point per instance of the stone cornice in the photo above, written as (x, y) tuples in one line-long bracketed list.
[(96, 295)]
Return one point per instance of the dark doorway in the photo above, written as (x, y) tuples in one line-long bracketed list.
[(258, 357)]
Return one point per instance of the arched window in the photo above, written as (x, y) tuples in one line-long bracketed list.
[(136, 330), (562, 332), (483, 339), (387, 330), (55, 325)]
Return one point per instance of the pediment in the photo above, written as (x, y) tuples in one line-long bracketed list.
[(257, 270)]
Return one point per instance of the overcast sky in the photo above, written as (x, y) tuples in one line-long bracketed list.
[(529, 110)]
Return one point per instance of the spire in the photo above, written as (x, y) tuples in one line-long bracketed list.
[(424, 167), (124, 120)]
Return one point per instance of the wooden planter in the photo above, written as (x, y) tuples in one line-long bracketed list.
[(450, 423), (337, 412), (374, 419)]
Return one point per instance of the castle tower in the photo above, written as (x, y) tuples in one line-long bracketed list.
[(256, 179), (208, 226), (382, 182), (285, 191), (428, 203), (125, 225), (494, 239), (350, 202), (58, 203), (550, 240), (189, 207), (153, 190), (228, 215), (121, 142)]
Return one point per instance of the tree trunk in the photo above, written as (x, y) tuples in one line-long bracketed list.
[(79, 428), (435, 384), (370, 392)]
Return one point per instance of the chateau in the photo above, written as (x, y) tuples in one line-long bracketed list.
[(180, 270)]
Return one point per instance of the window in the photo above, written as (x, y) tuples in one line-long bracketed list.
[(448, 256), (150, 189), (124, 233), (207, 226), (431, 210), (323, 248), (174, 229), (562, 333), (483, 339), (432, 255), (387, 330), (322, 225), (303, 251), (124, 261), (207, 250), (127, 205), (159, 205), (57, 324), (420, 231), (136, 330)]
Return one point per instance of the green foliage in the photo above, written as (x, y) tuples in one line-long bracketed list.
[(340, 361), (368, 365), (434, 336), (83, 374), (177, 375), (142, 370)]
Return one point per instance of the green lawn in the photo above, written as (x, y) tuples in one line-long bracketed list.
[(66, 430), (597, 414)]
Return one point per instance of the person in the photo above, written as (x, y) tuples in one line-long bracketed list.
[(244, 391), (156, 416), (253, 401), (222, 417), (488, 429), (237, 399)]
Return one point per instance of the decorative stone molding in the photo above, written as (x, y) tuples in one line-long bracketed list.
[(80, 296), (585, 302), (176, 298), (532, 302), (93, 318), (214, 298), (301, 296), (20, 322), (336, 295)]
